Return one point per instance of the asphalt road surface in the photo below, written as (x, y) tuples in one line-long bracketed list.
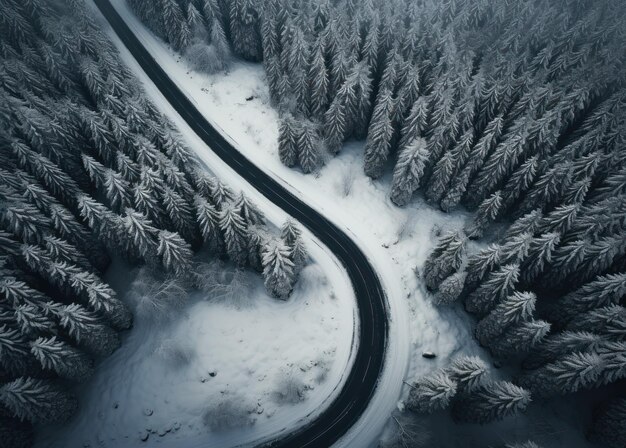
[(362, 380)]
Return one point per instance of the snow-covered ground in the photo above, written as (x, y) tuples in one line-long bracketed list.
[(226, 367), (396, 240)]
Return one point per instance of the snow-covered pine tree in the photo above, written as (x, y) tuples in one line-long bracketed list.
[(450, 289), (516, 308), (141, 233), (208, 220), (245, 30), (567, 374), (318, 80), (561, 344), (288, 135), (527, 444), (408, 171), (66, 361), (37, 400), (491, 402), (32, 321), (609, 424), (278, 269), (84, 328), (603, 291), (487, 212), (175, 26), (498, 285), (175, 253), (309, 145), (519, 338), (248, 211), (16, 359), (609, 321), (431, 393), (539, 255), (445, 259), (468, 372), (519, 182), (234, 230), (335, 125), (380, 135), (180, 213), (483, 262)]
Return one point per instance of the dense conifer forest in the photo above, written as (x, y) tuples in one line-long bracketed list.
[(515, 111), (90, 171)]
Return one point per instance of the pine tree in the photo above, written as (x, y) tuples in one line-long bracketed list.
[(208, 220), (88, 332), (487, 212), (142, 234), (380, 135), (66, 361), (175, 253), (562, 344), (609, 424), (491, 402), (408, 171), (37, 400), (15, 359), (601, 292), (234, 230), (516, 308), (609, 320), (539, 255), (32, 321), (431, 393), (520, 338), (567, 374), (310, 154), (278, 269), (245, 30), (498, 285), (288, 135), (248, 211), (450, 289), (468, 372), (180, 214), (483, 262), (444, 260), (318, 80), (335, 125)]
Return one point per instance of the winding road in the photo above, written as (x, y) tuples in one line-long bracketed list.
[(363, 378)]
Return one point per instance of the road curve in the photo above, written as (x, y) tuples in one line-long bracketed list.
[(362, 380)]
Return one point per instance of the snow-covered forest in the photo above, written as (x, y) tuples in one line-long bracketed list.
[(514, 111), (91, 172)]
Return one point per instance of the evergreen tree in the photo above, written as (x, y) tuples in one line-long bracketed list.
[(450, 289), (208, 220), (235, 232), (288, 136), (483, 262), (491, 402), (560, 344), (498, 285), (66, 361), (310, 155), (601, 292), (278, 269), (408, 171), (380, 135), (85, 329), (335, 125), (539, 255), (32, 321), (444, 260), (175, 253), (487, 212), (431, 393), (609, 320), (15, 358), (37, 400), (245, 29), (520, 338), (516, 308), (468, 372)]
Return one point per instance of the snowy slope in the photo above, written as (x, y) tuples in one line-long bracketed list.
[(396, 240), (221, 359)]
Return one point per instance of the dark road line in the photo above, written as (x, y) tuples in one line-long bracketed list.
[(359, 387)]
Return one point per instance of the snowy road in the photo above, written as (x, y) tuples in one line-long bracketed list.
[(362, 380)]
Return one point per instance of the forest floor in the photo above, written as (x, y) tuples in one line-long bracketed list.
[(396, 240)]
